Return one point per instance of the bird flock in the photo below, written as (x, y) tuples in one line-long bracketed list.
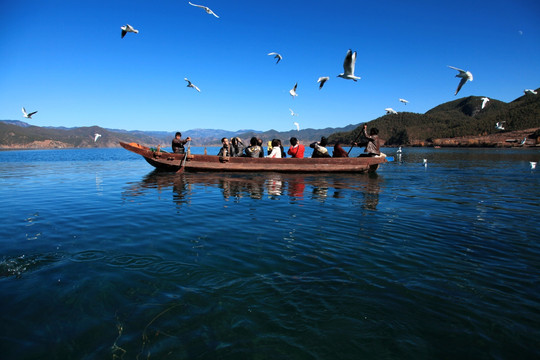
[(349, 64)]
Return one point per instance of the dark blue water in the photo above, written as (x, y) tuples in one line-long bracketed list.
[(102, 258)]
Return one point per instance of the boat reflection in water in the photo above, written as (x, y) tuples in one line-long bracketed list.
[(233, 186)]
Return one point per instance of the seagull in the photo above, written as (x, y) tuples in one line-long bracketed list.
[(192, 85), (276, 56), (523, 141), (322, 80), (499, 125), (128, 28), (390, 111), (96, 136), (484, 101), (533, 164), (464, 75), (403, 101), (399, 151), (293, 91), (297, 126), (348, 66), (26, 115), (529, 92), (424, 162), (207, 9), (292, 112)]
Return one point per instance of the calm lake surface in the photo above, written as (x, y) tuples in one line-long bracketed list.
[(103, 258)]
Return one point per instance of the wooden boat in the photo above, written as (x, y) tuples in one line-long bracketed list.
[(166, 161)]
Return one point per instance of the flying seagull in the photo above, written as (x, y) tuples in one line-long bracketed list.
[(464, 75), (292, 112), (26, 115), (96, 136), (390, 111), (529, 92), (403, 101), (192, 85), (348, 66), (484, 101), (322, 80), (499, 125), (297, 126), (293, 91), (128, 28), (207, 9), (276, 56), (533, 164)]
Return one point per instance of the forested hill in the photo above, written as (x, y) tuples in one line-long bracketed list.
[(461, 117)]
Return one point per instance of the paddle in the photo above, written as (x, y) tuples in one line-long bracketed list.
[(184, 159), (356, 140)]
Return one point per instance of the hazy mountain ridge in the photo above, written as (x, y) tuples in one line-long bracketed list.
[(454, 119)]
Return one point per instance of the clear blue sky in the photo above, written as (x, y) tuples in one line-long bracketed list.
[(66, 59)]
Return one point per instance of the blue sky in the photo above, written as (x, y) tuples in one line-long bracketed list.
[(67, 60)]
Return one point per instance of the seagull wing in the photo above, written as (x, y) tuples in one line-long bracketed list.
[(189, 82), (349, 63), (461, 83), (24, 112), (124, 32), (32, 113), (196, 88), (213, 13), (199, 6), (455, 68)]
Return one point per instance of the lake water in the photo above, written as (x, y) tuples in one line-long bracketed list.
[(102, 258)]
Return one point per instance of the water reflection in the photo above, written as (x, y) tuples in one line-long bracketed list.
[(295, 187)]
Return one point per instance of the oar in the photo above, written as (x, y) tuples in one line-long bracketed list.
[(184, 159), (356, 140)]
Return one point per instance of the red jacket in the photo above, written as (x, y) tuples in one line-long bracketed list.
[(297, 151)]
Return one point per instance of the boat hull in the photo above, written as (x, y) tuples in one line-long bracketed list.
[(165, 161)]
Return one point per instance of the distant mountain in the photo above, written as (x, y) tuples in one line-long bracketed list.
[(457, 118), (453, 119)]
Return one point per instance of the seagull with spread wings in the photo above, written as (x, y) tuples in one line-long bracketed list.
[(293, 91), (464, 75), (390, 111), (484, 101), (128, 28), (28, 115), (348, 66), (322, 80), (205, 8), (403, 101), (96, 136), (276, 56)]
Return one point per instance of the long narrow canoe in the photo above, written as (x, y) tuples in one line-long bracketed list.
[(166, 161)]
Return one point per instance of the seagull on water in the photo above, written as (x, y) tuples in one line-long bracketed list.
[(292, 112), (26, 115), (276, 56), (192, 85), (399, 151), (322, 80), (297, 126), (464, 75), (403, 101), (499, 125), (348, 66), (128, 28), (293, 91), (390, 111), (96, 136), (529, 92), (484, 101), (424, 162), (207, 9), (533, 164)]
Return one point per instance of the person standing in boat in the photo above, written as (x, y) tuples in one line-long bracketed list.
[(319, 148), (225, 150), (178, 143), (296, 150), (253, 150), (373, 142)]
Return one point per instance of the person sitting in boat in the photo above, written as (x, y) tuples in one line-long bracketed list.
[(253, 150), (178, 143), (339, 151), (276, 150), (260, 143), (225, 150), (373, 142), (296, 150), (237, 147), (283, 154), (319, 148)]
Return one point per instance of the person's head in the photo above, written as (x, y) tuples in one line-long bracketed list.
[(234, 141), (294, 141), (259, 142), (275, 142), (178, 135), (253, 141), (374, 131), (225, 141), (324, 141)]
